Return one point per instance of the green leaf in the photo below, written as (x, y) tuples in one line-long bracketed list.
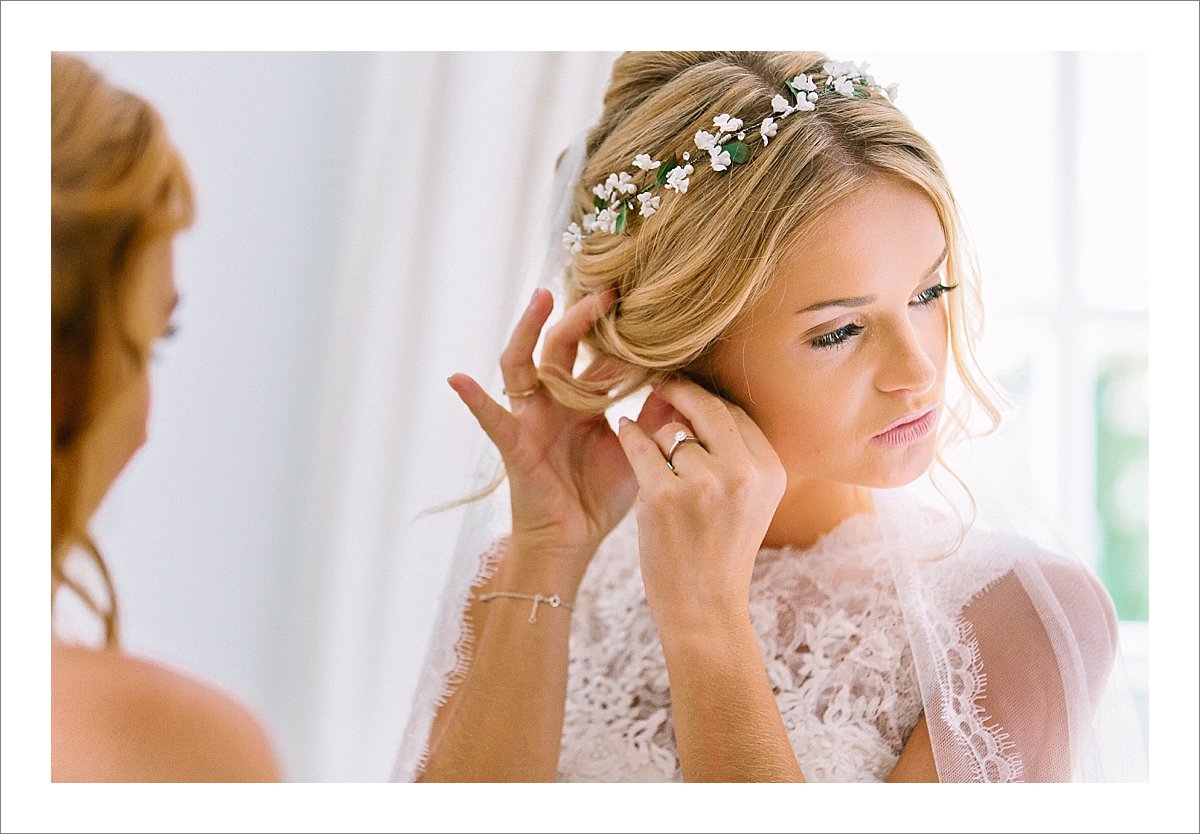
[(861, 92), (665, 169), (600, 204), (738, 152), (621, 219)]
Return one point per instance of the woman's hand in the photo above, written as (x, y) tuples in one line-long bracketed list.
[(570, 481), (700, 526)]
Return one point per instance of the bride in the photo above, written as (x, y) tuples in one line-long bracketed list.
[(765, 242)]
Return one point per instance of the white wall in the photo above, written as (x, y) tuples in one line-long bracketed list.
[(201, 529)]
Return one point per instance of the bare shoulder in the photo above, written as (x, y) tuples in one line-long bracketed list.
[(1086, 605), (116, 718)]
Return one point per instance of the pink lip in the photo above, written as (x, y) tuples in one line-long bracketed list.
[(908, 430)]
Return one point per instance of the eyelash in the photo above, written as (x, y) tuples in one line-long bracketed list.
[(839, 337), (171, 330), (933, 294)]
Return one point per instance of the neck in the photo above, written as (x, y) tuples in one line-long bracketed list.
[(810, 509)]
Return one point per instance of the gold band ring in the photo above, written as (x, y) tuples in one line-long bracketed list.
[(515, 395)]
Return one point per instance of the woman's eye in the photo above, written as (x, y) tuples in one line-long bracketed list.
[(167, 334), (933, 293), (837, 337)]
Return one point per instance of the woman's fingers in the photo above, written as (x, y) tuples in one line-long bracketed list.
[(516, 362), (562, 340), (649, 465), (674, 449), (708, 413), (656, 413), (494, 419), (752, 435)]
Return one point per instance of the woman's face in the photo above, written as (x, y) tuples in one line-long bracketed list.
[(842, 363), (120, 429)]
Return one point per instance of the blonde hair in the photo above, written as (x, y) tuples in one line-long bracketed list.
[(117, 185), (685, 276)]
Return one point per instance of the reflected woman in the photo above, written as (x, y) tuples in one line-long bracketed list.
[(119, 195)]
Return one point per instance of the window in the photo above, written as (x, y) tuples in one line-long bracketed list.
[(1058, 212)]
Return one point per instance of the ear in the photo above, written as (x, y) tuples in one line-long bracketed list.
[(701, 374)]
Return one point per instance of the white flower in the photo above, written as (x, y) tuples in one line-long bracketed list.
[(768, 129), (649, 204), (705, 140), (844, 86), (892, 91), (644, 162), (573, 238), (606, 221), (803, 83), (620, 183), (780, 105), (838, 68), (719, 158), (727, 123), (677, 180), (602, 191), (741, 135), (813, 98), (806, 104), (589, 222), (686, 156)]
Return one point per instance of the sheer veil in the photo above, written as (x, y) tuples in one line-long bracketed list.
[(1013, 638), (487, 519)]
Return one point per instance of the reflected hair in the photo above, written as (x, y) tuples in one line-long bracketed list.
[(117, 185)]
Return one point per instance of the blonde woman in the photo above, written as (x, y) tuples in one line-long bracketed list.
[(744, 582), (119, 194)]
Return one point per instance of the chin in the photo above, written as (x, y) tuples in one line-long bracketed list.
[(901, 467)]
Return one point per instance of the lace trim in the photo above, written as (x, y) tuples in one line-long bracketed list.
[(991, 750), (453, 666)]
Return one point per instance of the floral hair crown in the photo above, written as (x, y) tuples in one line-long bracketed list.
[(614, 198)]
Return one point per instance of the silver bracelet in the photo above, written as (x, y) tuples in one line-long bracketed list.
[(554, 601)]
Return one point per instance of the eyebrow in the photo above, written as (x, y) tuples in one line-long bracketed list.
[(863, 300)]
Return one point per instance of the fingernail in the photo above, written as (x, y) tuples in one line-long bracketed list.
[(533, 297), (623, 422)]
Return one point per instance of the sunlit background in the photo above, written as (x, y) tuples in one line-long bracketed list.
[(367, 225)]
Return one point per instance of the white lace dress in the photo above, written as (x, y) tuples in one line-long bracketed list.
[(1005, 645), (832, 639)]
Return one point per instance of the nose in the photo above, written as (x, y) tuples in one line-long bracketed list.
[(906, 363)]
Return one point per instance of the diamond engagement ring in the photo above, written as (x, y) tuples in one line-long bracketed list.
[(681, 437)]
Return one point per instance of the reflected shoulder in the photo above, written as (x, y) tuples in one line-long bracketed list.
[(119, 718)]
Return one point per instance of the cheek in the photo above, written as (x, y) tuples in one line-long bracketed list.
[(807, 419), (936, 338), (125, 428)]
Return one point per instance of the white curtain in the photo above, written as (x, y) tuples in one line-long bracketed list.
[(447, 189)]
